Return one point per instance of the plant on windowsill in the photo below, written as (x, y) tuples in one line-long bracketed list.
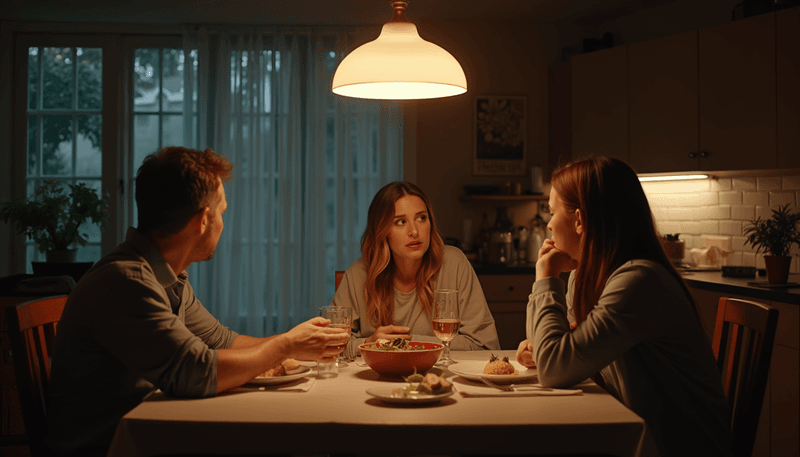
[(775, 237), (53, 219)]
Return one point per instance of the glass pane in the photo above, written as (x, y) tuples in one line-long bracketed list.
[(33, 78), (145, 138), (173, 80), (33, 145), (88, 229), (90, 78), (193, 57), (57, 76), (173, 130), (89, 157), (88, 253), (145, 79), (57, 145)]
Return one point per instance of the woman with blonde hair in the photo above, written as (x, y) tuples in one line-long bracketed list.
[(403, 260), (637, 326)]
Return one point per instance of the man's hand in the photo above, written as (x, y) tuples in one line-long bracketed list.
[(314, 340), (390, 332), (525, 354)]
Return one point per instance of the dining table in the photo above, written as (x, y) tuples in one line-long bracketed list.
[(343, 415)]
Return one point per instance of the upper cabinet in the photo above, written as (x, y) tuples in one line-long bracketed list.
[(664, 133), (737, 94), (788, 87), (600, 103), (722, 98)]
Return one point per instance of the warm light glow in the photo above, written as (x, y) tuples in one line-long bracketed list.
[(399, 65), (671, 177)]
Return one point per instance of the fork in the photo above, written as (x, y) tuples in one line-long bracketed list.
[(512, 387)]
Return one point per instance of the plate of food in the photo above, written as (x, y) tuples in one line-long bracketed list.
[(430, 388), (287, 371), (390, 395), (495, 370)]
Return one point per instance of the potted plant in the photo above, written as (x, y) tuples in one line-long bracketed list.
[(775, 236), (53, 219)]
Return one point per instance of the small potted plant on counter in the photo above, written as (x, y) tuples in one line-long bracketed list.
[(53, 219), (775, 237)]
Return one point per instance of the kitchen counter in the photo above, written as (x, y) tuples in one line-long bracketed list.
[(715, 282), (706, 280)]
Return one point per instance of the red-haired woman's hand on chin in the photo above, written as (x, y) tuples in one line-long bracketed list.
[(553, 261), (389, 332)]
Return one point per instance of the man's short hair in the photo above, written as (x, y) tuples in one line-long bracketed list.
[(175, 183)]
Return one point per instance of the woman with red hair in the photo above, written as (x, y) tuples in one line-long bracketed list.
[(403, 260), (637, 326)]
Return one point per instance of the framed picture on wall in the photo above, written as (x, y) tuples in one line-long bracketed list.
[(499, 136)]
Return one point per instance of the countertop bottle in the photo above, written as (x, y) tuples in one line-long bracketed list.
[(535, 239)]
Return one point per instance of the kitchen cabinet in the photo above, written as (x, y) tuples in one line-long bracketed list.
[(788, 87), (704, 100), (600, 103), (664, 128), (779, 424), (736, 83), (507, 297)]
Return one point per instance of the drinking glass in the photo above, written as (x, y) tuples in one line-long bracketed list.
[(340, 317), (446, 321)]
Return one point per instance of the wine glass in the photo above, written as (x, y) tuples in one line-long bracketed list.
[(446, 320), (340, 317)]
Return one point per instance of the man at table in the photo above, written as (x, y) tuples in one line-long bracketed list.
[(133, 323)]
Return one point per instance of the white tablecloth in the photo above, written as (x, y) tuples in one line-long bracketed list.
[(338, 416)]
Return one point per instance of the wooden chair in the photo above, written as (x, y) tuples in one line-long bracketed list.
[(32, 328), (743, 338), (339, 275)]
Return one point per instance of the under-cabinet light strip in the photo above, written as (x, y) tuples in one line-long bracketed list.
[(671, 177)]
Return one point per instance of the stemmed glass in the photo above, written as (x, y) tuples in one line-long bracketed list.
[(446, 321), (340, 317)]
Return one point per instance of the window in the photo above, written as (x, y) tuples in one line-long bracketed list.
[(160, 114), (65, 127)]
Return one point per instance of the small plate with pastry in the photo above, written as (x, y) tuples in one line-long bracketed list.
[(495, 369), (286, 371), (421, 389)]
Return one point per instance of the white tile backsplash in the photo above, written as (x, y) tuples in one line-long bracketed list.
[(755, 198), (743, 183), (769, 183), (725, 206)]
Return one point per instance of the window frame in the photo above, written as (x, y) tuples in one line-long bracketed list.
[(116, 112)]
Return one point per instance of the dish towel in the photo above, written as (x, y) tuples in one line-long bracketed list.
[(473, 389), (303, 384)]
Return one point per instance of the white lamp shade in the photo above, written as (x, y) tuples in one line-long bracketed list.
[(399, 65)]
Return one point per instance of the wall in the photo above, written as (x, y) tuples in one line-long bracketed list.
[(723, 207), (498, 59)]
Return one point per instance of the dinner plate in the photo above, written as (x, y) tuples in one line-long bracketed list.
[(385, 394), (473, 370), (302, 371)]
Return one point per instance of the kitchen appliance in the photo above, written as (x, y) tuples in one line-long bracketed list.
[(736, 271)]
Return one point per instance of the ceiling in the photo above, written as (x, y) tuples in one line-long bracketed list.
[(316, 12)]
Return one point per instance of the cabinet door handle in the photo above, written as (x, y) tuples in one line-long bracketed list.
[(704, 154), (692, 155), (510, 288)]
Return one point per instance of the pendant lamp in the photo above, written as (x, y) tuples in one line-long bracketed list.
[(399, 65)]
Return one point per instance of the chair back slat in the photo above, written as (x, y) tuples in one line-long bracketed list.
[(744, 334), (32, 329)]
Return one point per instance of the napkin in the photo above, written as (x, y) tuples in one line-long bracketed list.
[(303, 384), (474, 389)]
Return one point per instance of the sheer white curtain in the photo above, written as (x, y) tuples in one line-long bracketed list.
[(306, 163)]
